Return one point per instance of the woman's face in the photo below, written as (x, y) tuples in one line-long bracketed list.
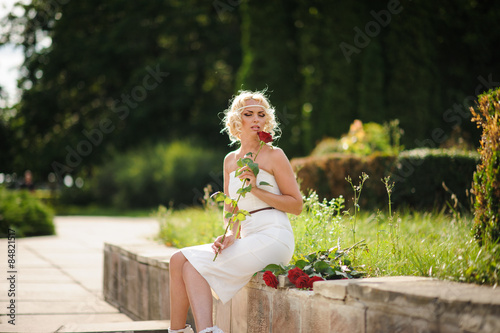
[(253, 118)]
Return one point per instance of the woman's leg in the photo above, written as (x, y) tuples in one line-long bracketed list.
[(200, 296), (179, 302)]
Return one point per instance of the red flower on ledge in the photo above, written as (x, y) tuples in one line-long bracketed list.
[(312, 280), (270, 279), (302, 282), (294, 274)]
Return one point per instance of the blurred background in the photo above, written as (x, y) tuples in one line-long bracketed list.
[(119, 102)]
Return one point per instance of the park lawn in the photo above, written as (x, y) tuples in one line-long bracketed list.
[(408, 242)]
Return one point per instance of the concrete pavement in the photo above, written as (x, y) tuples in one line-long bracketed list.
[(56, 280)]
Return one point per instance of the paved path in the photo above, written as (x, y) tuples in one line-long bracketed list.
[(58, 279)]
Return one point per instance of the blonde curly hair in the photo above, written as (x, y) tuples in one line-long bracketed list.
[(232, 115)]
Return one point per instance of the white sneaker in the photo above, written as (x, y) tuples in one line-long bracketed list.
[(213, 329), (186, 329)]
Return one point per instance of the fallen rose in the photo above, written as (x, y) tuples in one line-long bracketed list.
[(302, 282), (265, 137), (294, 274), (270, 279), (314, 279)]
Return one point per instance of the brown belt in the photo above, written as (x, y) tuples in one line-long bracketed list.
[(258, 210)]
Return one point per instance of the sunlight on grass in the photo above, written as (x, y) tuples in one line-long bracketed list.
[(432, 244), (188, 227)]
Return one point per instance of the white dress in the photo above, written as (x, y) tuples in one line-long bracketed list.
[(266, 238)]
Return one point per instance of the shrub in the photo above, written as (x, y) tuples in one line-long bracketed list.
[(28, 216), (487, 176), (161, 174), (424, 178), (430, 178), (363, 139)]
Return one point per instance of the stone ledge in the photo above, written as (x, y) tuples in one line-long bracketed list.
[(136, 279)]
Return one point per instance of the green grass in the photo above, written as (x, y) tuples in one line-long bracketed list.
[(188, 227), (432, 244)]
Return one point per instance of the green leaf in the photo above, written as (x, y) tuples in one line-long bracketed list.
[(228, 215), (323, 267), (240, 216), (311, 257), (308, 269), (228, 201), (254, 167), (263, 183), (244, 190), (218, 196), (342, 274), (301, 263), (244, 161), (276, 269)]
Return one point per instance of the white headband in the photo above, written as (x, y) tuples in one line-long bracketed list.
[(249, 106)]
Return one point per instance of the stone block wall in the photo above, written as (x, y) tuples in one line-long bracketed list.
[(136, 282)]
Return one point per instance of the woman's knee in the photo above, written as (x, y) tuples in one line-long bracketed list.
[(177, 261)]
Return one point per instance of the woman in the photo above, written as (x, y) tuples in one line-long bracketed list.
[(266, 235)]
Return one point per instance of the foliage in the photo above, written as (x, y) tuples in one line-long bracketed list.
[(97, 210), (424, 178), (91, 68), (487, 175), (322, 221), (386, 77), (364, 139), (153, 175), (432, 178), (270, 60), (28, 216), (405, 242), (152, 72), (331, 264), (188, 227)]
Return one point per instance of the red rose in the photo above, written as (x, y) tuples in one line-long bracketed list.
[(265, 137), (270, 279), (294, 274), (312, 280), (302, 282)]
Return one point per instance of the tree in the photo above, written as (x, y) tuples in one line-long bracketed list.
[(119, 74)]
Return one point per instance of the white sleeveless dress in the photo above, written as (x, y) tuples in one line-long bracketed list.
[(266, 238)]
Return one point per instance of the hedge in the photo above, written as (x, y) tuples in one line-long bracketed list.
[(423, 178)]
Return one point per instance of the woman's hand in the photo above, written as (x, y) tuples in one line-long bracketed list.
[(247, 173), (220, 245)]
